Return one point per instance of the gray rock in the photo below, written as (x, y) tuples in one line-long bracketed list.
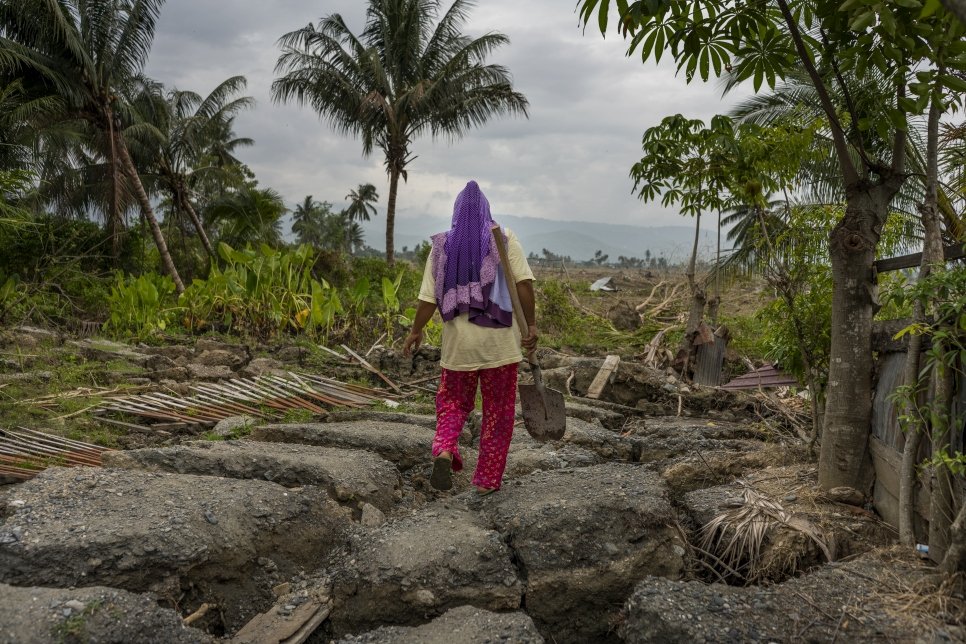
[(176, 374), (34, 615), (179, 354), (353, 477), (107, 350), (210, 372), (372, 517), (291, 353), (211, 344), (418, 567), (143, 531), (466, 625), (584, 537), (231, 426), (219, 357), (403, 444), (262, 367), (29, 376)]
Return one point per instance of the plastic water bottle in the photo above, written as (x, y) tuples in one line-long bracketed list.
[(922, 549)]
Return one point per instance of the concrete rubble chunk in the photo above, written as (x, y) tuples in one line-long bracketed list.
[(404, 444), (194, 537), (675, 436), (466, 625), (414, 568), (844, 602), (352, 476), (526, 460), (54, 615), (584, 537), (609, 445)]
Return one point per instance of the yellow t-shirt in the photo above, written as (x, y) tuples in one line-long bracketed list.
[(468, 346)]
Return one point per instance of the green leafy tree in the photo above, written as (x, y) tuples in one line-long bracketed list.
[(764, 41), (88, 53), (682, 166), (411, 71)]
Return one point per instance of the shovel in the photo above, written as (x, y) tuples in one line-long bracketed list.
[(544, 414)]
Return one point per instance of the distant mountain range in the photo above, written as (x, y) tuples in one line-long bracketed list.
[(578, 239)]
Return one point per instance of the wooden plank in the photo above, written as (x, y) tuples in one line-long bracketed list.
[(956, 251), (708, 362), (603, 376), (273, 627)]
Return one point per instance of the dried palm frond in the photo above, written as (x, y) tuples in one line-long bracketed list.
[(737, 535)]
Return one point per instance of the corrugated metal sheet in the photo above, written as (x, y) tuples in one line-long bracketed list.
[(762, 378)]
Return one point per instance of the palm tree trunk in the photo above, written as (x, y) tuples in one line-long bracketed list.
[(394, 173), (115, 214), (127, 164), (932, 258), (202, 235)]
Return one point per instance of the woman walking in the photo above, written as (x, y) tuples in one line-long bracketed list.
[(481, 345)]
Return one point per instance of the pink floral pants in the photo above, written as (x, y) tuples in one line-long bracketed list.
[(456, 398)]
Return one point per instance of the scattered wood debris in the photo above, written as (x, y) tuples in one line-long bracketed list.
[(265, 397), (25, 452)]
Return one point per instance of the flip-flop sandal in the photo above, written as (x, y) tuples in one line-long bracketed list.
[(442, 476), (486, 491)]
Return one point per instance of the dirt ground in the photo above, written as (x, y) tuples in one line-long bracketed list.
[(323, 527)]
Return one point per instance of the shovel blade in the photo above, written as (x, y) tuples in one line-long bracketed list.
[(544, 415)]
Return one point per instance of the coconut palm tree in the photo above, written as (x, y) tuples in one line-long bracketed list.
[(307, 220), (361, 202), (251, 215), (411, 71), (88, 52), (186, 144)]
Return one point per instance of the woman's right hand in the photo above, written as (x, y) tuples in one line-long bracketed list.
[(530, 342)]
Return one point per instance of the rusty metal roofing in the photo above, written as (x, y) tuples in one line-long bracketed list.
[(761, 378)]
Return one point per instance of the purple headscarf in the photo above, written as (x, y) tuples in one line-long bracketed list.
[(466, 265)]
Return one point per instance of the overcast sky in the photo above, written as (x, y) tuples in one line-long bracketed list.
[(589, 106)]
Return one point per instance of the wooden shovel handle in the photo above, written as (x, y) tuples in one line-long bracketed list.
[(511, 283)]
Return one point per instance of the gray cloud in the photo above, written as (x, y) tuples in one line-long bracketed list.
[(570, 160)]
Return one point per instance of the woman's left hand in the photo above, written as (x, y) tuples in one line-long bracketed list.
[(413, 342)]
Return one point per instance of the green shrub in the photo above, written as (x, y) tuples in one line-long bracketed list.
[(141, 306)]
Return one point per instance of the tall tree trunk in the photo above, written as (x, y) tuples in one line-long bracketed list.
[(715, 302), (932, 259), (394, 173), (202, 235), (127, 164), (942, 505), (698, 300), (115, 224), (955, 559), (844, 459)]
